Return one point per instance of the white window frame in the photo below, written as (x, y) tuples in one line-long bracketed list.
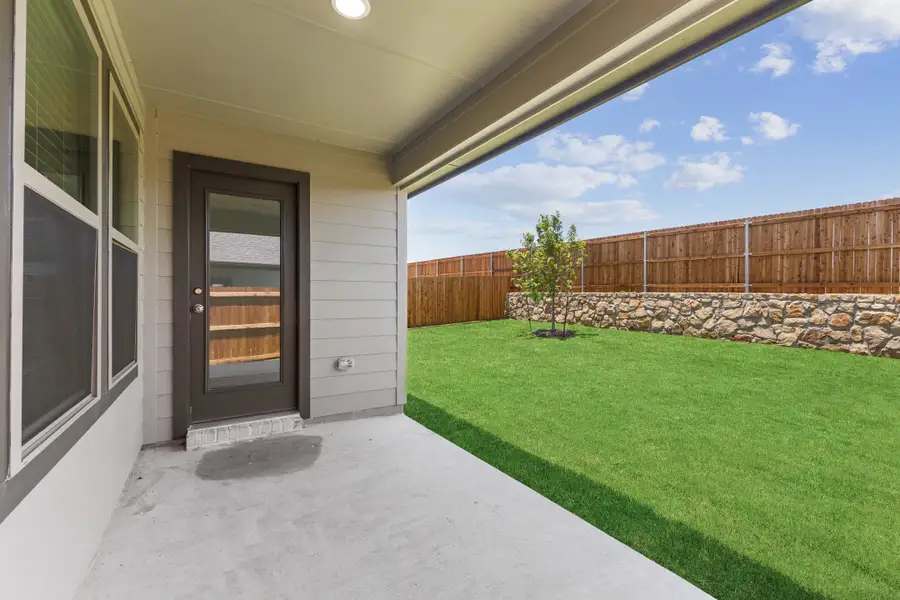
[(24, 175), (115, 96)]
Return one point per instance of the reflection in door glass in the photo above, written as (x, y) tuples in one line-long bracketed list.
[(244, 256)]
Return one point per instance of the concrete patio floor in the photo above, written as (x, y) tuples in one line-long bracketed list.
[(375, 508)]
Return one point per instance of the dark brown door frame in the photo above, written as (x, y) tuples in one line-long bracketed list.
[(185, 164)]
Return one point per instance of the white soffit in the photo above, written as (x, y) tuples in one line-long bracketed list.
[(297, 67)]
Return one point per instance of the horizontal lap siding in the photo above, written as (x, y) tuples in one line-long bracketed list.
[(353, 269)]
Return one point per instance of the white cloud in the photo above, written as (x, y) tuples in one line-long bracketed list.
[(607, 152), (772, 126), (522, 192), (844, 29), (648, 125), (779, 59), (635, 94), (584, 214), (708, 129), (533, 183), (747, 141), (708, 172)]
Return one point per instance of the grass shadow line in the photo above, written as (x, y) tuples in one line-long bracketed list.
[(696, 557)]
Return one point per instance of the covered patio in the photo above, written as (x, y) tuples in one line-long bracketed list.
[(373, 508), (204, 209)]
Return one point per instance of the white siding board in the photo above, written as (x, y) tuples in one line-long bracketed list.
[(368, 363), (164, 311), (349, 328), (351, 384), (336, 405), (337, 271), (164, 216), (352, 234), (352, 309), (352, 290), (344, 194), (345, 215), (164, 288), (335, 252), (164, 241), (164, 264), (164, 191), (333, 348)]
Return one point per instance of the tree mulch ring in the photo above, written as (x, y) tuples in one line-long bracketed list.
[(559, 333)]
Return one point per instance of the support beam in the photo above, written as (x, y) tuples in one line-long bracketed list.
[(603, 51)]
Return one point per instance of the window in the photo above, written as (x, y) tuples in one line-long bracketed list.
[(62, 99), (124, 308), (59, 291), (58, 227), (124, 163)]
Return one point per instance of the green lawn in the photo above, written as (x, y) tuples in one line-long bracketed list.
[(751, 471)]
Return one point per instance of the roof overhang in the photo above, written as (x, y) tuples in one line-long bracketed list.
[(433, 87), (606, 49)]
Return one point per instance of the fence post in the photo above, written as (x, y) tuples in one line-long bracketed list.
[(582, 271), (869, 245), (833, 276), (892, 250), (460, 266), (417, 270), (435, 268), (492, 264), (747, 256), (645, 262)]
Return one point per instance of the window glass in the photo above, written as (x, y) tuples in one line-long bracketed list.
[(58, 319), (124, 308), (124, 174), (61, 105)]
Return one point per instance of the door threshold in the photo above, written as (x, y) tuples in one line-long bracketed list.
[(228, 431)]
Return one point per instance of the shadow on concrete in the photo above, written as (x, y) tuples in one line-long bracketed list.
[(701, 560), (266, 457)]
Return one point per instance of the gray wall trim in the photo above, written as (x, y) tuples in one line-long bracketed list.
[(183, 164), (14, 490), (380, 411), (6, 101)]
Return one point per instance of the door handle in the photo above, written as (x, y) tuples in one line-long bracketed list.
[(197, 308)]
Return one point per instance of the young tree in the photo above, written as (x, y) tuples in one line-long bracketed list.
[(547, 266)]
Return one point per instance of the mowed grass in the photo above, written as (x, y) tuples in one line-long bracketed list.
[(751, 471)]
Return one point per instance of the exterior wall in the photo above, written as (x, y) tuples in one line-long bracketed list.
[(356, 249), (49, 540), (861, 324)]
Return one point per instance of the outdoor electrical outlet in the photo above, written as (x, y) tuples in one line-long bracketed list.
[(344, 364)]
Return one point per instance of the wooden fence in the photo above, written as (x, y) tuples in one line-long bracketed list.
[(244, 324), (438, 301), (849, 249)]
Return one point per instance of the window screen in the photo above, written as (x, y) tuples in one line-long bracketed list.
[(61, 104), (60, 264), (124, 174), (124, 308)]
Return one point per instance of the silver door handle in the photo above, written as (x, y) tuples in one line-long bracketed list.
[(197, 308)]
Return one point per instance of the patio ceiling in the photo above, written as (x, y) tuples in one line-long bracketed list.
[(435, 86)]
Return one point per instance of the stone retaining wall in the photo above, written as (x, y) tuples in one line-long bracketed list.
[(861, 324)]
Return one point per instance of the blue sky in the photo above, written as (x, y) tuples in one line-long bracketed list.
[(801, 113)]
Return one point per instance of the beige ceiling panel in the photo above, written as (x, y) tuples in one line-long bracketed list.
[(465, 38), (225, 113), (368, 84)]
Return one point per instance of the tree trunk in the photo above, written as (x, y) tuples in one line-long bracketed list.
[(553, 312)]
